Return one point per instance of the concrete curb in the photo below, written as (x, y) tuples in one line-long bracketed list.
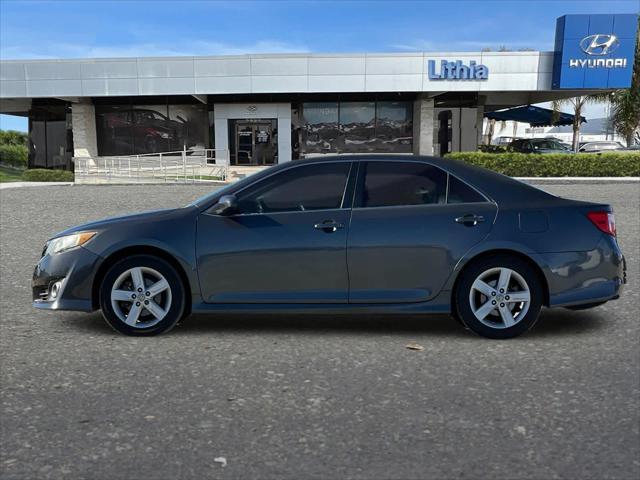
[(579, 179), (6, 185)]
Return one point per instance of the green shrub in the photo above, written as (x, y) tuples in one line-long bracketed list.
[(610, 164), (11, 137), (44, 175), (492, 148), (14, 155)]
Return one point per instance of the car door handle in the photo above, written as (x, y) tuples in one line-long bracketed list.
[(328, 226), (470, 220)]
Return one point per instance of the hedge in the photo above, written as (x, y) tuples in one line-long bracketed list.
[(44, 175), (14, 155), (492, 148), (610, 164)]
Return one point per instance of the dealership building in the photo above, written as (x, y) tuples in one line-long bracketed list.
[(257, 110)]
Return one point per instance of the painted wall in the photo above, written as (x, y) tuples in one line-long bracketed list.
[(406, 72)]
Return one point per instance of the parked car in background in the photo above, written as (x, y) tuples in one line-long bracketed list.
[(504, 141), (561, 141), (538, 145), (594, 147), (633, 148)]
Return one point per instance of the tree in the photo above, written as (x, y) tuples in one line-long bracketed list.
[(577, 104), (625, 104), (11, 137)]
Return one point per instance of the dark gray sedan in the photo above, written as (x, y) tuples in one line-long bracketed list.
[(344, 234)]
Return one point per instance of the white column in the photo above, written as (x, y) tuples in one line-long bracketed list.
[(83, 119), (423, 126), (284, 132), (221, 128)]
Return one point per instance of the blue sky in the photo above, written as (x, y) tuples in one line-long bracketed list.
[(36, 29)]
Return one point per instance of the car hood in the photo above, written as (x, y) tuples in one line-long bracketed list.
[(105, 223)]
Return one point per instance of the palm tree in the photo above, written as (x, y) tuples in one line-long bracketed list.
[(625, 113), (625, 104), (577, 104)]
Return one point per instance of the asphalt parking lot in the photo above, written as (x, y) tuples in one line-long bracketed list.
[(308, 397)]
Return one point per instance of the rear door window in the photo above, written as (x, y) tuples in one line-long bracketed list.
[(390, 184)]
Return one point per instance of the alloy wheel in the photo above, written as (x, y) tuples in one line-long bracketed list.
[(499, 297), (141, 297)]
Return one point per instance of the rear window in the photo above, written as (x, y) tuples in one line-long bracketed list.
[(459, 192)]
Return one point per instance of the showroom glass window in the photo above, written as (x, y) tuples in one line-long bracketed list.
[(305, 188), (50, 136), (321, 133), (151, 128), (394, 127), (357, 127), (392, 184)]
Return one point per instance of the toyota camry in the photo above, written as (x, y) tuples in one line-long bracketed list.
[(343, 234)]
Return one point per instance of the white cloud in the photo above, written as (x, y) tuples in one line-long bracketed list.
[(145, 49), (466, 45), (415, 46)]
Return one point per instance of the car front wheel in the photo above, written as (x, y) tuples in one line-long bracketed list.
[(142, 295), (498, 297)]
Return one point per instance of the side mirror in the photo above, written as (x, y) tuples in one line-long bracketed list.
[(227, 205)]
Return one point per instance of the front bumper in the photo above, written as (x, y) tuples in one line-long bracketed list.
[(73, 271), (581, 278)]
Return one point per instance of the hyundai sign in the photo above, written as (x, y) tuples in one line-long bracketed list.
[(594, 51)]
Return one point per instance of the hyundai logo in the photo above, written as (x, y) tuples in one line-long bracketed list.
[(599, 44)]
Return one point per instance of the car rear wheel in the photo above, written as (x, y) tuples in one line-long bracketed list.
[(142, 295), (498, 297)]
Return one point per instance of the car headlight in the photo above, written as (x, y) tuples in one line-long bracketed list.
[(61, 244), (164, 135)]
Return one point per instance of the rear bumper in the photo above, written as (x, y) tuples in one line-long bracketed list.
[(73, 272), (580, 278)]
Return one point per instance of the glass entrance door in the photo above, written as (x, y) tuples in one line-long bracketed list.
[(244, 144), (255, 143)]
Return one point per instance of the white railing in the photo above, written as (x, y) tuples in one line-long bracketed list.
[(185, 166)]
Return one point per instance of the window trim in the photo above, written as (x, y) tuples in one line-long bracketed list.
[(487, 199), (350, 173)]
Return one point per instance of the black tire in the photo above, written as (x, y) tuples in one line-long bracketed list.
[(176, 307), (462, 308)]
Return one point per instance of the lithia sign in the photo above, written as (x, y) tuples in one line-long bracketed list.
[(456, 70)]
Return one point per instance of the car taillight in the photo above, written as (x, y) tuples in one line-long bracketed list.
[(604, 221)]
